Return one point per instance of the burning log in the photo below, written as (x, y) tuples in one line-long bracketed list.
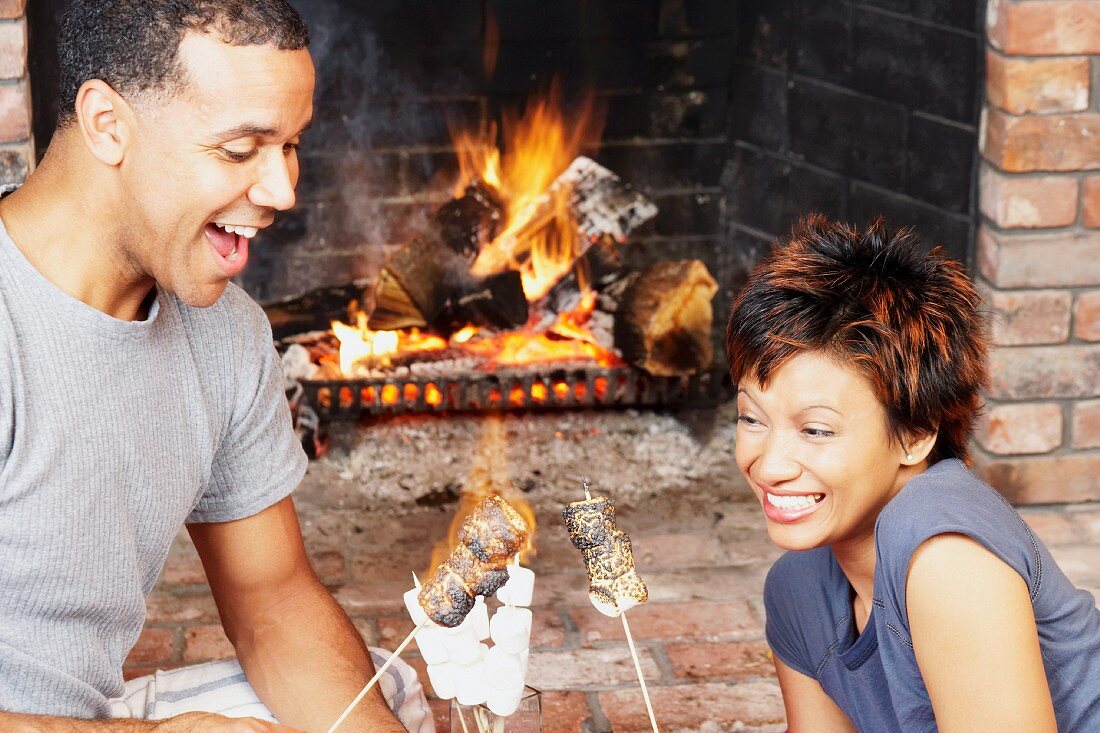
[(598, 200), (468, 222), (412, 288), (497, 301), (427, 282), (664, 321), (316, 309)]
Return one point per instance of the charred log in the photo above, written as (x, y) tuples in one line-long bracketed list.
[(663, 323), (315, 310), (599, 202), (497, 301), (465, 224)]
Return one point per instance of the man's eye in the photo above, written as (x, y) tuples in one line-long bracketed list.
[(235, 156)]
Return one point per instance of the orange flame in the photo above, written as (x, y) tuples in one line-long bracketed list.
[(539, 238), (489, 475)]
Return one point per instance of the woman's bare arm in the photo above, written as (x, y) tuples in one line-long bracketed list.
[(809, 709), (975, 639)]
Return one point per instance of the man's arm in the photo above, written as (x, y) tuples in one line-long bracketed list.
[(189, 723), (300, 651), (975, 639)]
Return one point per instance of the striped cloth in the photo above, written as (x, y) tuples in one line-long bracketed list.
[(221, 687)]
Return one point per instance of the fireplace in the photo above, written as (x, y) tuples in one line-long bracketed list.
[(734, 118)]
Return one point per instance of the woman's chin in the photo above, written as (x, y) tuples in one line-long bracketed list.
[(791, 538)]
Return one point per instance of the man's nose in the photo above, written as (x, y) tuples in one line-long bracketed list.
[(275, 188)]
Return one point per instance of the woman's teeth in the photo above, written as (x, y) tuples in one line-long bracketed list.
[(246, 232), (801, 501)]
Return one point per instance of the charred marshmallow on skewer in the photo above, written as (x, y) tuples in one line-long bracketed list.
[(492, 534), (614, 586)]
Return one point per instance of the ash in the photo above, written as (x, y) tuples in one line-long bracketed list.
[(399, 463)]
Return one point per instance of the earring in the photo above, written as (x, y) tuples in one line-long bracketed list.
[(909, 457)]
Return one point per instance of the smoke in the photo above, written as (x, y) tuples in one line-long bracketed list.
[(377, 138)]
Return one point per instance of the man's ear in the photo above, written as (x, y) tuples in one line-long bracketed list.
[(105, 120), (916, 448)]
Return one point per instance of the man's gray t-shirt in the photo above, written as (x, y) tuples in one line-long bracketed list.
[(873, 676), (113, 434)]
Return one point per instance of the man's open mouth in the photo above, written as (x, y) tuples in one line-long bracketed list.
[(230, 243)]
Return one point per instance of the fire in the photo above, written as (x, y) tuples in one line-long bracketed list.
[(489, 475), (361, 346), (538, 238)]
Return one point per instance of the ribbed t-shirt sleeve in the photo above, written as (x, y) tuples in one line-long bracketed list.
[(7, 399), (259, 460), (783, 604), (950, 500)]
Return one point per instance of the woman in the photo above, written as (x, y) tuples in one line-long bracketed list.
[(914, 597)]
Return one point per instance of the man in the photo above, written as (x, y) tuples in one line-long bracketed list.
[(139, 390)]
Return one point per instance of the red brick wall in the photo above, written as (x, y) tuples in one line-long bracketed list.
[(16, 146), (1039, 249)]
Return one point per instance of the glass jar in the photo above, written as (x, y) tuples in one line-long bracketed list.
[(479, 719)]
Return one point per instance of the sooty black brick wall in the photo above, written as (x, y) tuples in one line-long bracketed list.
[(855, 109), (736, 116)]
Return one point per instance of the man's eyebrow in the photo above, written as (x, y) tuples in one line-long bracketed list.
[(247, 129), (251, 129)]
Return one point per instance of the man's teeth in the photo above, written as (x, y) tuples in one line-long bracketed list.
[(246, 232), (802, 501)]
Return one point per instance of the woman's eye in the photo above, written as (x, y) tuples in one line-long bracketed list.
[(747, 420), (290, 148), (817, 432)]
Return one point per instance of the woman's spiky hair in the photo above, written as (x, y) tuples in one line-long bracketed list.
[(908, 320)]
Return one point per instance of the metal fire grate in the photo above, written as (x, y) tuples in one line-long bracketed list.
[(528, 389)]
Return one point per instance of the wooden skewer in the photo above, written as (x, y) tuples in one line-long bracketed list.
[(378, 675), (641, 677), (462, 718)]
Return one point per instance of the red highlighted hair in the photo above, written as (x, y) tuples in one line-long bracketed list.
[(908, 320)]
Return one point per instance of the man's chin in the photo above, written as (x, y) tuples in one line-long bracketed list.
[(201, 296)]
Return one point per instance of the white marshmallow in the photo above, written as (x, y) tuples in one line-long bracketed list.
[(479, 618), (511, 628), (471, 687), (463, 647), (432, 644), (504, 702), (442, 677), (503, 671), (519, 589), (412, 604)]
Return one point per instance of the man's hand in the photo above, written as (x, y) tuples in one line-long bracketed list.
[(211, 723)]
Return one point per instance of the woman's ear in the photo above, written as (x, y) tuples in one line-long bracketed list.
[(915, 449)]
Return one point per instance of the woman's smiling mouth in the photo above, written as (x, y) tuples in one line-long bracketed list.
[(788, 508)]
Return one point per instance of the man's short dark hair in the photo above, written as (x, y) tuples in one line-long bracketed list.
[(908, 320), (133, 44)]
